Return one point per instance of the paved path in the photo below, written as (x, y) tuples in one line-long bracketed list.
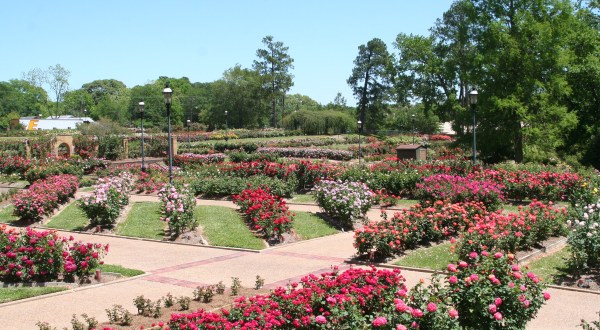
[(178, 269)]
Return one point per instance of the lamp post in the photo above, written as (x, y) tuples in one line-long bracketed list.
[(167, 93), (413, 127), (141, 109), (226, 127), (473, 102), (188, 127), (359, 128)]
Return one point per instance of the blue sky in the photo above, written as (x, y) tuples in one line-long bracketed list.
[(138, 41)]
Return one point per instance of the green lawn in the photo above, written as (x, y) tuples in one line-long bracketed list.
[(406, 203), (11, 294), (303, 198), (223, 226), (127, 272), (308, 225), (142, 221), (71, 218), (6, 214), (552, 267), (435, 257)]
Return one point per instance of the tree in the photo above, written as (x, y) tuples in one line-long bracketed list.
[(238, 93), (21, 97), (273, 65), (521, 46), (57, 79), (371, 82), (105, 88)]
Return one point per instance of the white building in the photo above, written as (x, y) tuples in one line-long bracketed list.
[(63, 122)]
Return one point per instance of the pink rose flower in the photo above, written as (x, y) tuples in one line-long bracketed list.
[(379, 321)]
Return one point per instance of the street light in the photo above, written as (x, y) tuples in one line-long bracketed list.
[(473, 102), (226, 127), (359, 128), (167, 93), (413, 127), (188, 127), (141, 109)]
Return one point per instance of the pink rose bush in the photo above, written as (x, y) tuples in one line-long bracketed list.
[(30, 255), (490, 291), (177, 208), (110, 195), (43, 196), (265, 213)]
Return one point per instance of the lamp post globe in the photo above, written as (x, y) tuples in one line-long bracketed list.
[(188, 129), (168, 93), (141, 109), (473, 103)]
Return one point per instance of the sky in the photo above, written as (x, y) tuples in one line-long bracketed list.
[(137, 41)]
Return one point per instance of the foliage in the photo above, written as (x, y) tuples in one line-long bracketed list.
[(344, 201), (308, 153), (320, 122), (110, 147), (177, 208), (211, 186)]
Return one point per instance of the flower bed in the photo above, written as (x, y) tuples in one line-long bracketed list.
[(265, 212), (344, 201), (104, 205), (44, 196), (376, 298), (189, 159), (14, 165), (177, 208), (31, 255), (479, 229), (459, 189), (308, 153)]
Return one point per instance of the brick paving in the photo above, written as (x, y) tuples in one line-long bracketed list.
[(179, 268)]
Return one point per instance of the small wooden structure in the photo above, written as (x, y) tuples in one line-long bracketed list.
[(411, 151)]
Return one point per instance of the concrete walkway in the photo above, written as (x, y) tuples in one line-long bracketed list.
[(178, 269)]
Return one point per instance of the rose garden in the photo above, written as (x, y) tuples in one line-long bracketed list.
[(471, 225)]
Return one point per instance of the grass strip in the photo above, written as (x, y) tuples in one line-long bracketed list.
[(223, 226), (435, 257), (308, 225), (71, 218), (142, 221), (6, 214), (12, 294), (127, 272), (552, 267), (303, 198)]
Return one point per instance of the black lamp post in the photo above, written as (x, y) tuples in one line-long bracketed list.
[(359, 128), (413, 128), (168, 93), (473, 102), (226, 126), (188, 127), (141, 108)]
